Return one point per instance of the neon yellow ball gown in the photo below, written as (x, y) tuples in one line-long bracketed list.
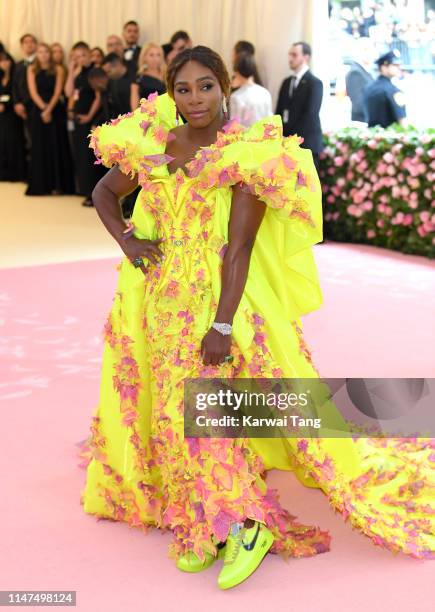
[(140, 469)]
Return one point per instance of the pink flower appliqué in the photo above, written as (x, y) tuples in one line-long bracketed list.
[(145, 125), (172, 289)]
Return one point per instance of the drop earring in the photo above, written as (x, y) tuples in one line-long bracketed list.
[(177, 115), (224, 107)]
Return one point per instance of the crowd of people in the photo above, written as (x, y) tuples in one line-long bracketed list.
[(395, 24), (51, 100)]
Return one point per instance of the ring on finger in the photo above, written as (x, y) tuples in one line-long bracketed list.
[(138, 262)]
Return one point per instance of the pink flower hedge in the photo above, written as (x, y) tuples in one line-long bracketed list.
[(378, 188)]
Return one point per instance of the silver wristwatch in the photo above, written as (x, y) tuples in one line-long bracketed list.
[(223, 328)]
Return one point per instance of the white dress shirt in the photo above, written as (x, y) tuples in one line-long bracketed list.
[(250, 103), (300, 73)]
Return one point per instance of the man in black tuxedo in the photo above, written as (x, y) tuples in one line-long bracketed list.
[(299, 101), (20, 92), (130, 33)]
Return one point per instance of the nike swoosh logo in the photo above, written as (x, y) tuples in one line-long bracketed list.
[(251, 545)]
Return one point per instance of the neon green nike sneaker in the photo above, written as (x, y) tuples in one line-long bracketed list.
[(244, 552), (190, 562)]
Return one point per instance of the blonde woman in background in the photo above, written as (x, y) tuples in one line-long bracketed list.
[(58, 54), (150, 75)]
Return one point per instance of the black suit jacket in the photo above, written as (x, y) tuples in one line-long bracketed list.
[(357, 80), (302, 110), (132, 64), (20, 91)]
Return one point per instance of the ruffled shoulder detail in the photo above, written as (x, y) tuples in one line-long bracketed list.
[(282, 175), (272, 167), (137, 140)]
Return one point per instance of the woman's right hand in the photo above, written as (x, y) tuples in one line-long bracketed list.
[(138, 248), (46, 116)]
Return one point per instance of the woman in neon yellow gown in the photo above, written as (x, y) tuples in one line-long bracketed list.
[(140, 469)]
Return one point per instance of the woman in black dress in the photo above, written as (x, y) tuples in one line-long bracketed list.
[(51, 170), (12, 150), (151, 74)]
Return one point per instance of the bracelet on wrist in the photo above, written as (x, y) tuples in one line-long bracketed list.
[(223, 328)]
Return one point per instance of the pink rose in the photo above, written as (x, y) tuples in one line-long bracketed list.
[(371, 233), (338, 161), (421, 231), (388, 157), (391, 170), (427, 193), (380, 223), (425, 215), (408, 219), (368, 205), (405, 192), (396, 192), (330, 199), (398, 218), (412, 204)]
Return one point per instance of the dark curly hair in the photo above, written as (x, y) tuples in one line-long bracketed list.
[(205, 56)]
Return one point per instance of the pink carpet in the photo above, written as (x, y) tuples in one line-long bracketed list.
[(377, 320)]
